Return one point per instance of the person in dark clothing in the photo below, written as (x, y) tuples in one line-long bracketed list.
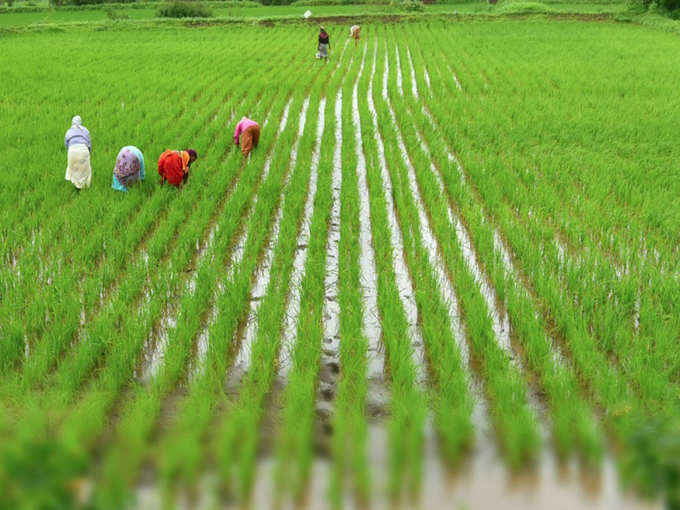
[(324, 44)]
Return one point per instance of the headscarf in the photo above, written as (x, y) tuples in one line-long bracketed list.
[(192, 154), (323, 30), (77, 122), (127, 167)]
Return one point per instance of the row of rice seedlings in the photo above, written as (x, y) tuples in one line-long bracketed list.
[(408, 403), (572, 421), (59, 238), (239, 430), (505, 384), (452, 402), (295, 446), (184, 454), (62, 302), (73, 371), (128, 449), (196, 413), (618, 297), (100, 283), (350, 471), (97, 242), (117, 104), (43, 196), (603, 381), (403, 279), (116, 371), (142, 409)]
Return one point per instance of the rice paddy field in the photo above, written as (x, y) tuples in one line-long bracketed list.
[(448, 277)]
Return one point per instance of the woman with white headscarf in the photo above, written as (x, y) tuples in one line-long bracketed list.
[(77, 141)]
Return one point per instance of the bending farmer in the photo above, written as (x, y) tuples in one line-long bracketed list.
[(129, 168), (249, 131), (77, 141), (173, 166)]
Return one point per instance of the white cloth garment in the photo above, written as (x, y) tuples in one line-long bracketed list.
[(79, 171)]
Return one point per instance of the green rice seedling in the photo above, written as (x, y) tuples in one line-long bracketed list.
[(57, 312), (296, 439), (243, 420), (137, 427), (142, 280), (572, 421), (451, 400), (407, 408), (350, 465), (504, 383), (227, 322)]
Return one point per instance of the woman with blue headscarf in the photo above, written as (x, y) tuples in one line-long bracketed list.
[(129, 168), (77, 141)]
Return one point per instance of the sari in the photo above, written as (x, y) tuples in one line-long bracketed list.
[(78, 169), (129, 168), (173, 165)]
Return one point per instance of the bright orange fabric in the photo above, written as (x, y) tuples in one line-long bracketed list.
[(172, 165)]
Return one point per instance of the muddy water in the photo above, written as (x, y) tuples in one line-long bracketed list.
[(331, 313), (156, 343), (483, 482), (400, 87), (293, 307), (402, 276), (154, 348), (414, 85), (500, 320), (429, 239), (330, 352), (368, 274), (455, 78), (259, 290)]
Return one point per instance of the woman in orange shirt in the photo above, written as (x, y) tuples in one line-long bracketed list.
[(173, 166)]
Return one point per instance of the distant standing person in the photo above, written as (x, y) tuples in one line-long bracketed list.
[(355, 33), (324, 44), (77, 141), (249, 131), (129, 168), (173, 166)]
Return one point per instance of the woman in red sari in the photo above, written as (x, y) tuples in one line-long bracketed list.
[(173, 166)]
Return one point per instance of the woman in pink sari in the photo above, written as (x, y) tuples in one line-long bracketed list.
[(249, 132)]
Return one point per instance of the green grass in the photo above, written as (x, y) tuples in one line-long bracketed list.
[(57, 16)]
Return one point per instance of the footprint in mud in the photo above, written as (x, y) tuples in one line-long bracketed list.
[(326, 391)]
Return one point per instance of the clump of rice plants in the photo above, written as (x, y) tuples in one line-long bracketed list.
[(183, 9)]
